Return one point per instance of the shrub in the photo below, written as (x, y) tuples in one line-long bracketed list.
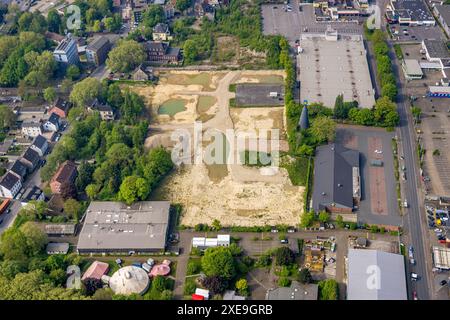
[(284, 282)]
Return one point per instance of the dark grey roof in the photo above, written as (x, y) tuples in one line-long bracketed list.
[(114, 225), (303, 122), (390, 268), (333, 176), (57, 247), (417, 10), (161, 28), (296, 291), (436, 48), (155, 46), (9, 180), (39, 142), (32, 193), (31, 155), (54, 119), (98, 43), (19, 168), (62, 104)]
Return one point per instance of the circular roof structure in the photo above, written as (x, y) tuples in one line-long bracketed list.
[(160, 270), (128, 280)]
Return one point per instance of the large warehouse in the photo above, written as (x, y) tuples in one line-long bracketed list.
[(114, 227), (334, 65), (375, 275)]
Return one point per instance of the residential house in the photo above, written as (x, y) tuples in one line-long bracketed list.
[(10, 185), (30, 159), (142, 74), (32, 194), (52, 124), (97, 50), (61, 108), (19, 169), (32, 129), (66, 52), (162, 53), (105, 110), (65, 175), (40, 145), (161, 32), (169, 10)]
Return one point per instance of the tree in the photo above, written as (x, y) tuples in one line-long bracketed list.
[(113, 24), (416, 112), (10, 268), (216, 225), (73, 72), (103, 294), (58, 276), (306, 150), (54, 21), (153, 15), (91, 285), (92, 190), (50, 94), (284, 282), (284, 256), (339, 111), (133, 188), (182, 5), (126, 56), (242, 287), (190, 51), (304, 276), (35, 238), (85, 91), (340, 221), (383, 107), (307, 219), (389, 90), (7, 117), (324, 216), (215, 284), (218, 261), (73, 209), (328, 290), (323, 129)]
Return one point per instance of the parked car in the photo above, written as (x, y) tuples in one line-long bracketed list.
[(284, 241), (146, 267), (137, 264), (415, 295), (414, 276), (412, 261), (443, 282), (411, 252), (405, 204), (150, 261)]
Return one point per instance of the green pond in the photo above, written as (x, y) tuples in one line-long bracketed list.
[(172, 107)]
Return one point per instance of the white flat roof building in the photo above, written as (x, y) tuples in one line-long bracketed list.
[(411, 69), (441, 258), (222, 240), (330, 68)]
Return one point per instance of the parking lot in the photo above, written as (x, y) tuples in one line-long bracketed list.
[(378, 195), (259, 95), (290, 24)]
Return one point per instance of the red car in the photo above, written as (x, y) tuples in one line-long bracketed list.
[(415, 295)]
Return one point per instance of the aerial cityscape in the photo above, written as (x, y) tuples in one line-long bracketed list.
[(224, 150)]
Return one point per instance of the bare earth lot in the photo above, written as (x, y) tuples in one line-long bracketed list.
[(234, 194)]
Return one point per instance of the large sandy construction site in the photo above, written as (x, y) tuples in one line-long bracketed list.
[(232, 193)]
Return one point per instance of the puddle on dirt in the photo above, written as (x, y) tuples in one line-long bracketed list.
[(217, 172), (172, 107)]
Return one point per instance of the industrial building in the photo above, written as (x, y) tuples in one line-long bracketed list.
[(412, 12), (114, 227), (411, 69), (336, 179), (375, 275), (331, 65)]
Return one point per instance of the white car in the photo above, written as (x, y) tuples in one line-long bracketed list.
[(405, 204), (378, 151)]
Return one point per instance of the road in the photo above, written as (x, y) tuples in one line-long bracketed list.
[(414, 227)]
